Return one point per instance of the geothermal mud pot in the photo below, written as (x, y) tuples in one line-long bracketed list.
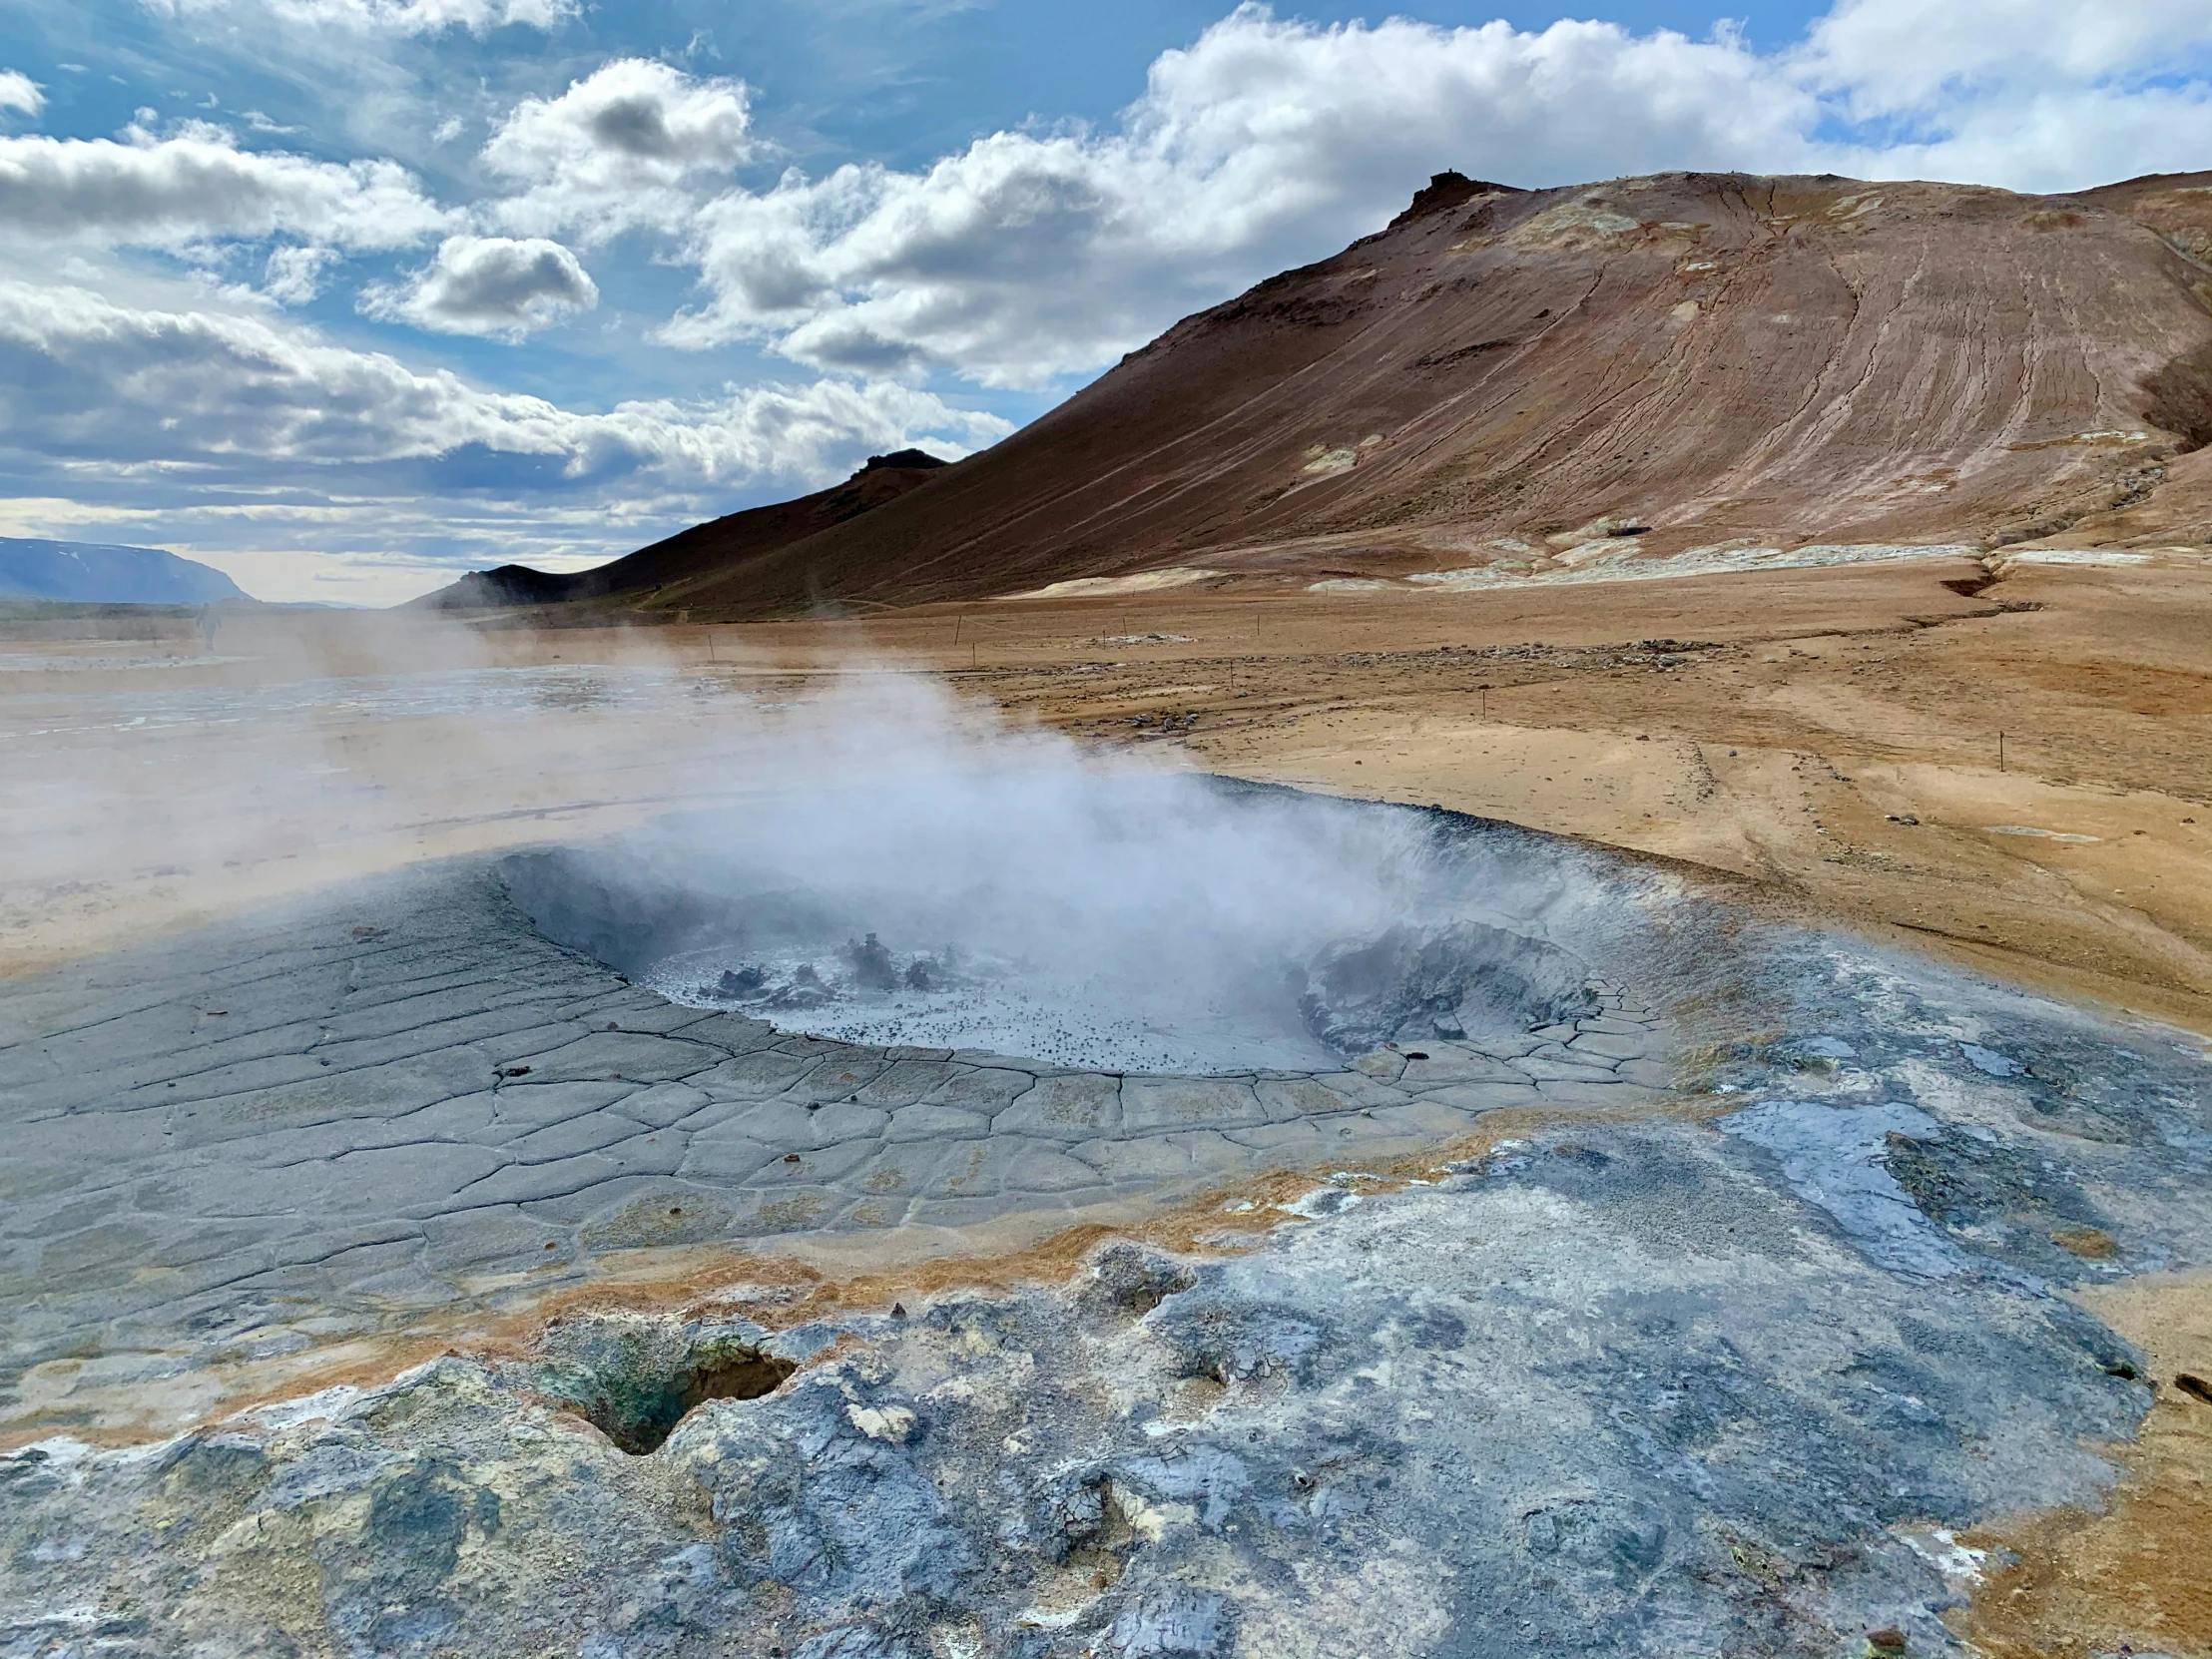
[(1494, 1248)]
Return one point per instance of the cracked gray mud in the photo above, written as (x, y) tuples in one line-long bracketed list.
[(268, 1139), (1715, 1370)]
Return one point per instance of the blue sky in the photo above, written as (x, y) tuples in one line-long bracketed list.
[(348, 296)]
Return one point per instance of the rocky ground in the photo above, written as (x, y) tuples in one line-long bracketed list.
[(1713, 1326), (1736, 1370)]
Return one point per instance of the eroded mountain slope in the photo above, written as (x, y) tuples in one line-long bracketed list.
[(1709, 356)]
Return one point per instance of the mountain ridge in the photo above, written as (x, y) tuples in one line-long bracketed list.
[(33, 567), (1499, 377), (704, 548)]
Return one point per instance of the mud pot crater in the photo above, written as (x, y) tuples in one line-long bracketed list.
[(1342, 928)]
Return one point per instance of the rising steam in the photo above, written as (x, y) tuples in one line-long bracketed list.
[(919, 874), (854, 853)]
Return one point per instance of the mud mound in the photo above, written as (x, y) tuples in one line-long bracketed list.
[(1455, 943)]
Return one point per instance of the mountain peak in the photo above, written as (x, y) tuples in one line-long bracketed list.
[(1448, 190), (34, 568), (917, 459)]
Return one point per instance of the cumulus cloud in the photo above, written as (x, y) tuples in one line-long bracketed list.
[(1030, 256), (402, 17), (101, 385), (200, 186), (2030, 94), (494, 285), (624, 147), (20, 93)]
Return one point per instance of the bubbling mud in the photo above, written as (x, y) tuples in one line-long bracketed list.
[(1135, 923)]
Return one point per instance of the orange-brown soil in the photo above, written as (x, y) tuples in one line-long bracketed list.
[(2136, 1576)]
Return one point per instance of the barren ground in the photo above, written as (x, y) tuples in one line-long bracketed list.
[(1822, 741)]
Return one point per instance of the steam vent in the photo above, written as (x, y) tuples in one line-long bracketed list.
[(558, 1251)]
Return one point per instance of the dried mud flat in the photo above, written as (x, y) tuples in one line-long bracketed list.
[(1856, 1301)]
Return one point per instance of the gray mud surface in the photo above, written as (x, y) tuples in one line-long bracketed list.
[(1717, 1364)]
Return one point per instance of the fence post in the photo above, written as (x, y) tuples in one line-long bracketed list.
[(2001, 751)]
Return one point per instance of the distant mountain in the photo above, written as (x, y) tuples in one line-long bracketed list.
[(715, 550), (91, 571)]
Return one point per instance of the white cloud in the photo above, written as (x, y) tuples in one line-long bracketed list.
[(198, 186), (293, 273), (1890, 56), (627, 146), (20, 93), (402, 17), (2029, 94), (2055, 140), (1030, 256), (119, 389), (493, 286)]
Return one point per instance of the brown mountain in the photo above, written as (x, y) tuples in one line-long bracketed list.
[(706, 550), (1688, 360)]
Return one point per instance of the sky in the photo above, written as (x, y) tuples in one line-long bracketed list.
[(348, 296)]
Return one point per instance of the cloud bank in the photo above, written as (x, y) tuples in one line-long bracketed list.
[(123, 387), (200, 187)]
